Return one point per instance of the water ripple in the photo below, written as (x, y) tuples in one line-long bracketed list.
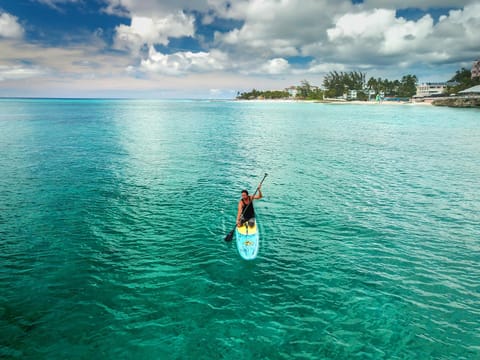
[(113, 214)]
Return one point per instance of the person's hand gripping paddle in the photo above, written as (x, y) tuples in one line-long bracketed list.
[(230, 234)]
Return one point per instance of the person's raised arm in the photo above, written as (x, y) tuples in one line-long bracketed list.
[(259, 194)]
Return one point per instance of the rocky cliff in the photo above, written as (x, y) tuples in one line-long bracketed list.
[(463, 102)]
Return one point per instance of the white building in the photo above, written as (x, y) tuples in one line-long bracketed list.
[(431, 89), (476, 69), (292, 91), (352, 94), (474, 90)]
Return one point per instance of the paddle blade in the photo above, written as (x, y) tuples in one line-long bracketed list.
[(229, 235)]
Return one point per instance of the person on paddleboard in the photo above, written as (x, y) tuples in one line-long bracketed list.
[(246, 212)]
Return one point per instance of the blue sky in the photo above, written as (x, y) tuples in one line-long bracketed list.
[(214, 48)]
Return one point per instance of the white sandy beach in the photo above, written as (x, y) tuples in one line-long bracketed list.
[(340, 102)]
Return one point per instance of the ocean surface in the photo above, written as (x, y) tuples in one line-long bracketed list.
[(113, 215)]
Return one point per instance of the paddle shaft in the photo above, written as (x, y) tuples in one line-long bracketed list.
[(230, 234)]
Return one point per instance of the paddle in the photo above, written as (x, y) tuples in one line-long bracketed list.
[(230, 234)]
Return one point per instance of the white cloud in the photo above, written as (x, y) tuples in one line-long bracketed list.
[(334, 35), (360, 36), (322, 68), (461, 24), (380, 28), (215, 92), (9, 26), (377, 36), (275, 67), (275, 28), (183, 62), (405, 36), (21, 60), (19, 72), (53, 3), (149, 31), (272, 29), (367, 25), (424, 4), (152, 8), (226, 9)]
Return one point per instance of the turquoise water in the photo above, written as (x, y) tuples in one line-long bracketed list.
[(113, 214)]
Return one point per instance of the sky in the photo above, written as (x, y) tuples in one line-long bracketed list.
[(217, 48)]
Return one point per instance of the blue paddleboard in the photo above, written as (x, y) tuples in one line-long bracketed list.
[(247, 241)]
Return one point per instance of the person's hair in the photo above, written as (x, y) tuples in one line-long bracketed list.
[(245, 191)]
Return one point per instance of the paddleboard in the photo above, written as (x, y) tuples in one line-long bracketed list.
[(247, 241)]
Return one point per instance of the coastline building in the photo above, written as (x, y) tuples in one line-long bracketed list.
[(351, 95), (476, 69), (292, 91), (431, 89), (473, 91)]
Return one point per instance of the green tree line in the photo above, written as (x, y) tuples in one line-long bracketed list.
[(462, 80), (336, 84), (269, 94), (305, 91)]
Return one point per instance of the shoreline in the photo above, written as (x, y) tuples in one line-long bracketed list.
[(358, 102), (464, 102), (339, 102)]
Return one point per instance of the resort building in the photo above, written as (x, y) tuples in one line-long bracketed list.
[(292, 91), (473, 91), (476, 69), (431, 89), (352, 95)]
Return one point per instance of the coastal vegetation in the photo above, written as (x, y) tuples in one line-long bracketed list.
[(461, 80), (269, 94), (339, 84), (305, 91), (354, 85)]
